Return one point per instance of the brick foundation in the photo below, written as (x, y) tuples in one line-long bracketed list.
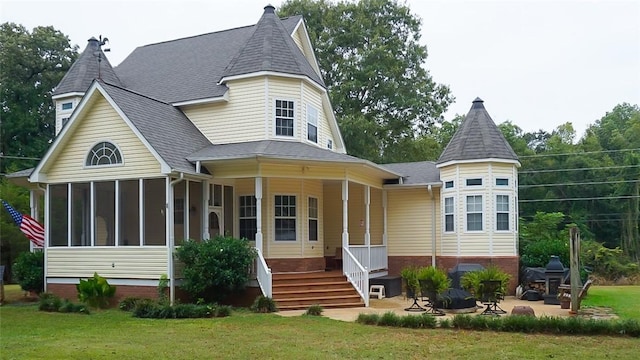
[(296, 265), (508, 264)]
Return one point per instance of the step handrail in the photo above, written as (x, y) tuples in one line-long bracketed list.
[(357, 274), (264, 275)]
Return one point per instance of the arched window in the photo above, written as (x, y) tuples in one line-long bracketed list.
[(104, 153)]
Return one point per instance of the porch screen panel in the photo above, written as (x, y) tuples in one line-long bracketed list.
[(80, 214), (154, 212), (58, 230), (228, 211), (129, 213), (195, 208), (105, 210), (179, 212)]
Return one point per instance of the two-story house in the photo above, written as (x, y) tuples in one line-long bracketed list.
[(233, 133)]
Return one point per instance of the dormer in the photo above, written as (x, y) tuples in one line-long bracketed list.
[(92, 64)]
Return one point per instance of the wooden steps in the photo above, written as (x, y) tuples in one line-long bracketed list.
[(329, 289)]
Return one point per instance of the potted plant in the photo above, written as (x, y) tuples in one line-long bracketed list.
[(472, 281), (412, 287), (433, 281)]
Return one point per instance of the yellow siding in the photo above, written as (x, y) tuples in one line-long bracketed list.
[(102, 124), (313, 188), (290, 90), (474, 244), (364, 179), (332, 217), (298, 40), (504, 244), (232, 171), (376, 217), (112, 262), (312, 96), (409, 217), (302, 171), (282, 249), (245, 110)]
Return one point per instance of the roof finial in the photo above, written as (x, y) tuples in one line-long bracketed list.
[(477, 104), (269, 9)]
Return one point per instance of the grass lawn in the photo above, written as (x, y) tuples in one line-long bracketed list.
[(623, 300), (30, 334)]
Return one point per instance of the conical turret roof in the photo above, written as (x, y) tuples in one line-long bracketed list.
[(477, 138), (92, 64), (271, 48)]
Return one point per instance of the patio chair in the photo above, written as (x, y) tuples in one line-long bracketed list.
[(430, 296), (490, 295), (411, 293)]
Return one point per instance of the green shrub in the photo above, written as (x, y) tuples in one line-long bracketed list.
[(264, 304), (314, 310), (422, 321), (462, 321), (129, 303), (410, 277), (223, 311), (472, 281), (611, 264), (368, 319), (520, 323), (629, 327), (445, 323), (146, 308), (28, 271), (49, 302), (537, 253), (389, 319), (95, 291), (69, 307), (163, 285), (215, 268)]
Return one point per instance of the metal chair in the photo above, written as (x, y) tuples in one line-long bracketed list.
[(490, 295)]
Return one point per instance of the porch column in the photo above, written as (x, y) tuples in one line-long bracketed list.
[(258, 191), (384, 217), (205, 210), (367, 224), (345, 213), (47, 230), (185, 211)]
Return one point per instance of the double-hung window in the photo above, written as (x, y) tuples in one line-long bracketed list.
[(285, 218), (502, 212), (312, 124), (284, 118), (247, 217), (313, 219), (448, 215), (474, 213)]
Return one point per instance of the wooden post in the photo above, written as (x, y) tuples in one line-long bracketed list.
[(574, 248)]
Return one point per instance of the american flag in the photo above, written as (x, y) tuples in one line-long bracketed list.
[(29, 226)]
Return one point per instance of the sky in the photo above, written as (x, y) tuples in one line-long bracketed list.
[(538, 64)]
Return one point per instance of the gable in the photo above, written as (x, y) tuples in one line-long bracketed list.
[(100, 122)]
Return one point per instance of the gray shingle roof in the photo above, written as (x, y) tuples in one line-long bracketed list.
[(21, 173), (87, 68), (271, 48), (165, 127), (477, 138), (271, 148), (189, 68), (420, 172)]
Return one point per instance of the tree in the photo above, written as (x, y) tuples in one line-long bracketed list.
[(373, 65), (32, 65)]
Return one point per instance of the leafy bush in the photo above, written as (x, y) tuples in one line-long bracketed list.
[(314, 310), (163, 285), (389, 319), (69, 307), (215, 268), (95, 291), (538, 253), (49, 302), (445, 324), (264, 304), (368, 319), (611, 264), (410, 277), (146, 308), (433, 281), (129, 303), (472, 281), (28, 271), (222, 311)]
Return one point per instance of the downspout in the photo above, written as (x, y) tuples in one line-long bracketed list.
[(172, 245), (433, 226)]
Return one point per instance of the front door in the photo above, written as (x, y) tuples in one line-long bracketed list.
[(215, 224)]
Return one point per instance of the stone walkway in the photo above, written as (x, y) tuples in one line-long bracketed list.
[(397, 304)]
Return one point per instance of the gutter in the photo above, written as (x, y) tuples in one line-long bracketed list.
[(433, 226)]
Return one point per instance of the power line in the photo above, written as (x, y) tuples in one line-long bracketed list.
[(580, 199), (578, 169), (582, 183), (578, 153), (18, 157)]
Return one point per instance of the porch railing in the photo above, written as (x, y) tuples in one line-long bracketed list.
[(356, 274), (263, 274), (376, 259)]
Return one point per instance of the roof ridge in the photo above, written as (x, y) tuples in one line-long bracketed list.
[(134, 92), (198, 35)]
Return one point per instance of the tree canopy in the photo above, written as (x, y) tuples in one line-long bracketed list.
[(32, 65), (374, 67)]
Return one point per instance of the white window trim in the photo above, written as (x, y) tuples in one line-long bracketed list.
[(316, 218), (502, 178), (296, 218), (89, 152), (502, 212), (295, 113), (466, 212), (452, 213), (310, 109), (255, 217), (473, 186)]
